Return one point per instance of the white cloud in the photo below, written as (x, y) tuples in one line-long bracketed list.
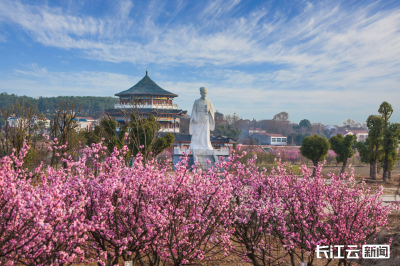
[(326, 58), (321, 38), (36, 81), (249, 99)]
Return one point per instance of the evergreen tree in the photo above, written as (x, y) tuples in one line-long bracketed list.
[(143, 137), (390, 144), (370, 151), (386, 111), (220, 130), (140, 134), (314, 148), (232, 133), (89, 105), (108, 131), (342, 146)]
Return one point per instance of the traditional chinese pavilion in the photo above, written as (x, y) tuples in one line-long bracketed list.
[(147, 98)]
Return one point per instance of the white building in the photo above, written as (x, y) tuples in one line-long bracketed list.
[(269, 139), (86, 123)]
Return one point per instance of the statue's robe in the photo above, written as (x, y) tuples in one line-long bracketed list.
[(203, 113)]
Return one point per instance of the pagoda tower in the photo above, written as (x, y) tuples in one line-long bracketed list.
[(147, 98)]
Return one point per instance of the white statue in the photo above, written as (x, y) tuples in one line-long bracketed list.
[(202, 122)]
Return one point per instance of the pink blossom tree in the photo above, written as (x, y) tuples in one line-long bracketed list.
[(125, 220), (293, 156), (198, 214), (355, 213), (19, 216), (99, 209), (296, 214), (148, 213), (258, 209), (330, 157), (42, 224)]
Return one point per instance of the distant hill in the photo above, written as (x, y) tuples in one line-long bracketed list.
[(90, 106)]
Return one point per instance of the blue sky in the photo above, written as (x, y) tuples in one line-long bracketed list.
[(325, 61)]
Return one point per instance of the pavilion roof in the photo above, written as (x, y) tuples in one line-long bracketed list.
[(146, 86)]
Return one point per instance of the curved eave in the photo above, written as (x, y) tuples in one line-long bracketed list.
[(142, 93), (146, 86)]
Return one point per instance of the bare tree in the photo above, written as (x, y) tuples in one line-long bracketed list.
[(19, 127), (282, 116), (232, 119), (317, 128), (278, 127), (22, 124), (351, 123), (63, 127)]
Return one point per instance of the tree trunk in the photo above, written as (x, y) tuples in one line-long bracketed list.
[(52, 159), (315, 166), (112, 260), (385, 165), (343, 167), (292, 259), (253, 259), (389, 175), (372, 170), (385, 170)]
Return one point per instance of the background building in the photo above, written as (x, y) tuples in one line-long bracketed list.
[(361, 135), (263, 138), (147, 98)]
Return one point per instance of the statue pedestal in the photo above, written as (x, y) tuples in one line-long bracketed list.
[(201, 156)]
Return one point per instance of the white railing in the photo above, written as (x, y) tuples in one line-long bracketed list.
[(169, 130), (157, 106), (223, 151), (162, 129)]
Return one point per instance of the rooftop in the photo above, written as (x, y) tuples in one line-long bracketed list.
[(269, 134), (257, 129), (357, 131), (83, 118), (354, 132), (146, 86), (275, 135)]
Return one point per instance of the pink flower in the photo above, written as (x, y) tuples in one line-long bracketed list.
[(177, 213)]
